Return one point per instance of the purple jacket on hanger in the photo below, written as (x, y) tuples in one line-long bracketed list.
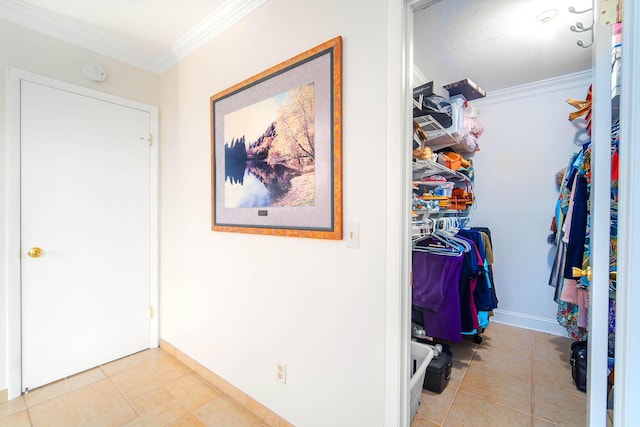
[(435, 290)]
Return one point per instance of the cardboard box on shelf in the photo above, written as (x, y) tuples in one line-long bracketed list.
[(467, 88)]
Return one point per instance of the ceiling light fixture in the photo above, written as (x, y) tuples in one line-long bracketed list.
[(547, 15)]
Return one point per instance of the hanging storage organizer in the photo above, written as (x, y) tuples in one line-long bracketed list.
[(453, 291)]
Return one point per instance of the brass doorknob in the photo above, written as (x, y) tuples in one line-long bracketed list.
[(578, 272), (35, 252)]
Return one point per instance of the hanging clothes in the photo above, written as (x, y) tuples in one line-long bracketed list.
[(573, 235), (452, 291), (471, 270), (572, 245), (576, 225), (489, 260), (435, 290), (483, 295)]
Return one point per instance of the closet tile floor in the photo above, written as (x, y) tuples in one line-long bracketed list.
[(515, 377)]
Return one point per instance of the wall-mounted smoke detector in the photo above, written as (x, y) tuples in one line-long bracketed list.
[(94, 71)]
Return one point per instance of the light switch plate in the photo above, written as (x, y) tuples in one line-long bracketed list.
[(352, 235)]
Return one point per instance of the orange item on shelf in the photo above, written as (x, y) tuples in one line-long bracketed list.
[(423, 153), (450, 159)]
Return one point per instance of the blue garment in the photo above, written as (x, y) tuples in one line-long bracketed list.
[(470, 271), (483, 296), (577, 231), (494, 294)]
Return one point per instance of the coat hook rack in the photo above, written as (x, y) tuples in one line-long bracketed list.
[(583, 44), (573, 10), (580, 27)]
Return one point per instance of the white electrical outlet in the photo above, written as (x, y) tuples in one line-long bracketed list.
[(281, 373)]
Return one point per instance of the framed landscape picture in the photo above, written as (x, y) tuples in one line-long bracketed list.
[(276, 149)]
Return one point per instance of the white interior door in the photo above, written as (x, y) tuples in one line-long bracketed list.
[(85, 201)]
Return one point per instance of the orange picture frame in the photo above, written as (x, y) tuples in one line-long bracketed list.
[(276, 149)]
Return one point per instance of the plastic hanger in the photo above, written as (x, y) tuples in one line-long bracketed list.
[(437, 243), (442, 242)]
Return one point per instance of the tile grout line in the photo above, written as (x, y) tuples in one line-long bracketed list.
[(28, 413), (191, 411), (141, 415), (481, 397), (29, 407), (539, 343), (534, 415), (533, 380), (63, 380), (221, 393), (495, 403), (137, 365), (504, 405), (173, 352), (188, 410), (455, 394), (126, 399)]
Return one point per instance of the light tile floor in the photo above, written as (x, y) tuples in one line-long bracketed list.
[(515, 377), (150, 388)]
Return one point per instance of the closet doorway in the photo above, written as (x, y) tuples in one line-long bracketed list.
[(596, 408)]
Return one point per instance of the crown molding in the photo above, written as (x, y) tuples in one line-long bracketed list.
[(418, 77), (213, 25), (568, 81), (39, 20)]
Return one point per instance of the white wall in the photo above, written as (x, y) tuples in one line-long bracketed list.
[(527, 139), (31, 51), (239, 303)]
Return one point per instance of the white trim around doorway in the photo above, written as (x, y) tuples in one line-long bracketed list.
[(398, 190)]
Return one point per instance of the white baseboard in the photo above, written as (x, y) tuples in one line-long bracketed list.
[(534, 323)]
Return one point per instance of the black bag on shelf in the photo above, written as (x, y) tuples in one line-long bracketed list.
[(424, 90), (436, 107), (579, 364)]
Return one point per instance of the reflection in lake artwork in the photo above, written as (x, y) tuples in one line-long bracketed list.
[(269, 152)]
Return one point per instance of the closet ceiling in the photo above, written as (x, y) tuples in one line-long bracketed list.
[(499, 43), (151, 34)]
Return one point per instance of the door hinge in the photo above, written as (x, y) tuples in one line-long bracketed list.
[(150, 312), (608, 12), (150, 139)]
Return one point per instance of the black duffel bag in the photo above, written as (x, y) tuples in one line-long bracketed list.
[(578, 361)]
